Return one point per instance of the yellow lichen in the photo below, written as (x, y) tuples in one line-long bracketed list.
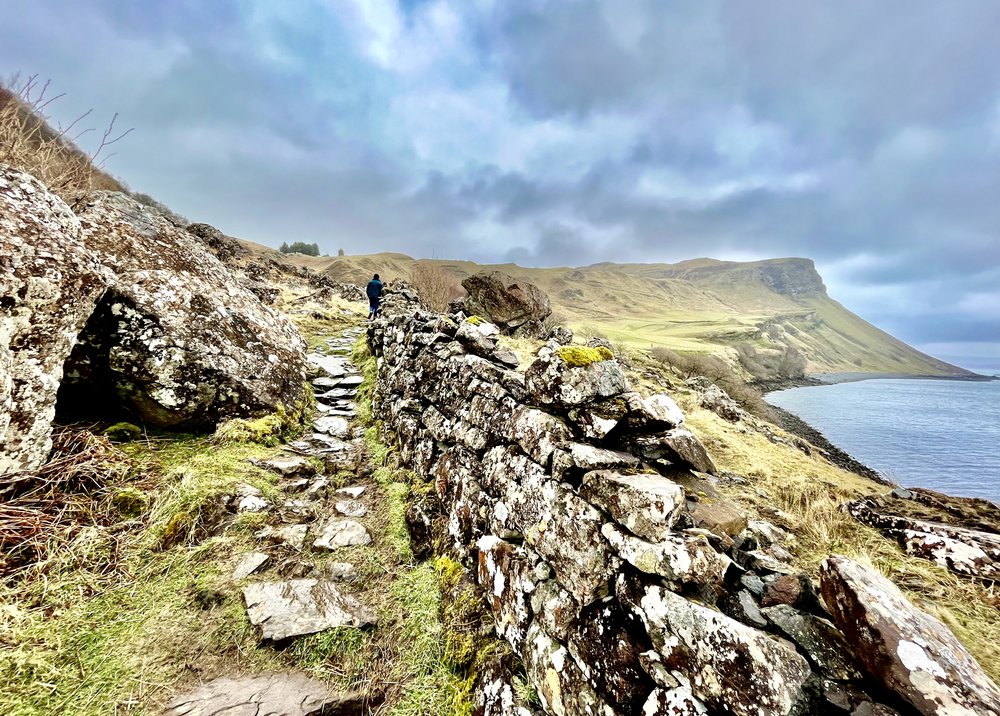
[(475, 320), (579, 356)]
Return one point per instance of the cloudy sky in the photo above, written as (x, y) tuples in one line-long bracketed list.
[(865, 135)]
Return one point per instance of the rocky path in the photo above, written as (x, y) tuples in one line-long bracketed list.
[(295, 582)]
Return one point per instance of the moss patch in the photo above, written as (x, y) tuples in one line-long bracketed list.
[(579, 356)]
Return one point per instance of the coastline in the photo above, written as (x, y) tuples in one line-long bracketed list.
[(795, 425)]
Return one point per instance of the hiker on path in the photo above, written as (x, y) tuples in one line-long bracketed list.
[(374, 291)]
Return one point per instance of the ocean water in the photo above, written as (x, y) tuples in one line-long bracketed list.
[(941, 434)]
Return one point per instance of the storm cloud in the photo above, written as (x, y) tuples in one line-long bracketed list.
[(863, 135)]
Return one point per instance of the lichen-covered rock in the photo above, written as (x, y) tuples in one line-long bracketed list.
[(49, 285), (720, 516), (505, 576), (907, 650), (537, 432), (657, 412), (819, 639), (564, 379), (680, 560), (511, 304), (969, 552), (176, 336), (731, 667), (562, 687), (646, 505), (673, 702), (573, 460), (606, 643), (678, 446), (554, 608)]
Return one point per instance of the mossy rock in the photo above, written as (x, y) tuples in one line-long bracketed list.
[(475, 320), (580, 356), (123, 432)]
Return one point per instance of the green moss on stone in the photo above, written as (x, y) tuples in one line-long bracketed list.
[(580, 356), (123, 432), (475, 320)]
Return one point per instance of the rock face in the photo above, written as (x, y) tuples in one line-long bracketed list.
[(513, 305), (176, 336), (49, 284), (906, 649), (287, 694)]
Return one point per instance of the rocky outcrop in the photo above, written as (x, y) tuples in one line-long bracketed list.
[(621, 580), (514, 306), (904, 648), (49, 285), (114, 306), (957, 533), (176, 336)]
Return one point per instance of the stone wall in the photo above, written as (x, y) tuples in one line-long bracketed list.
[(585, 512)]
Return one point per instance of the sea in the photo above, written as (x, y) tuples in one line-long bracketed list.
[(939, 434)]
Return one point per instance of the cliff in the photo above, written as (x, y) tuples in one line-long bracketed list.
[(701, 305)]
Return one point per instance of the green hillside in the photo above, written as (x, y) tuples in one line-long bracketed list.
[(701, 305)]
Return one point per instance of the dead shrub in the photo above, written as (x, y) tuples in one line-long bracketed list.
[(30, 143), (719, 372), (435, 285)]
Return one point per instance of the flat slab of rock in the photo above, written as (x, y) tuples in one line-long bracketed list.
[(354, 492), (302, 606), (332, 366), (351, 508), (334, 425), (286, 693), (907, 650), (339, 532), (292, 535), (289, 466), (249, 564)]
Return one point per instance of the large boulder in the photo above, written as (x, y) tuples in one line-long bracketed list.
[(513, 305), (907, 650), (49, 284), (177, 337)]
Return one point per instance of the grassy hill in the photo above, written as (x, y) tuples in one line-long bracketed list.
[(703, 305)]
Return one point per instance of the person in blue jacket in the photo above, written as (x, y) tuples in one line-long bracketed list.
[(374, 291)]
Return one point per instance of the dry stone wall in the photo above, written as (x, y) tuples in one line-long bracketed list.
[(555, 489), (584, 512)]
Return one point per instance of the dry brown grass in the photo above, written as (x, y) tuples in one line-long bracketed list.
[(68, 491), (30, 143)]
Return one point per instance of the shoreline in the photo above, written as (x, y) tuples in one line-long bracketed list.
[(819, 379), (857, 377), (795, 425)]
